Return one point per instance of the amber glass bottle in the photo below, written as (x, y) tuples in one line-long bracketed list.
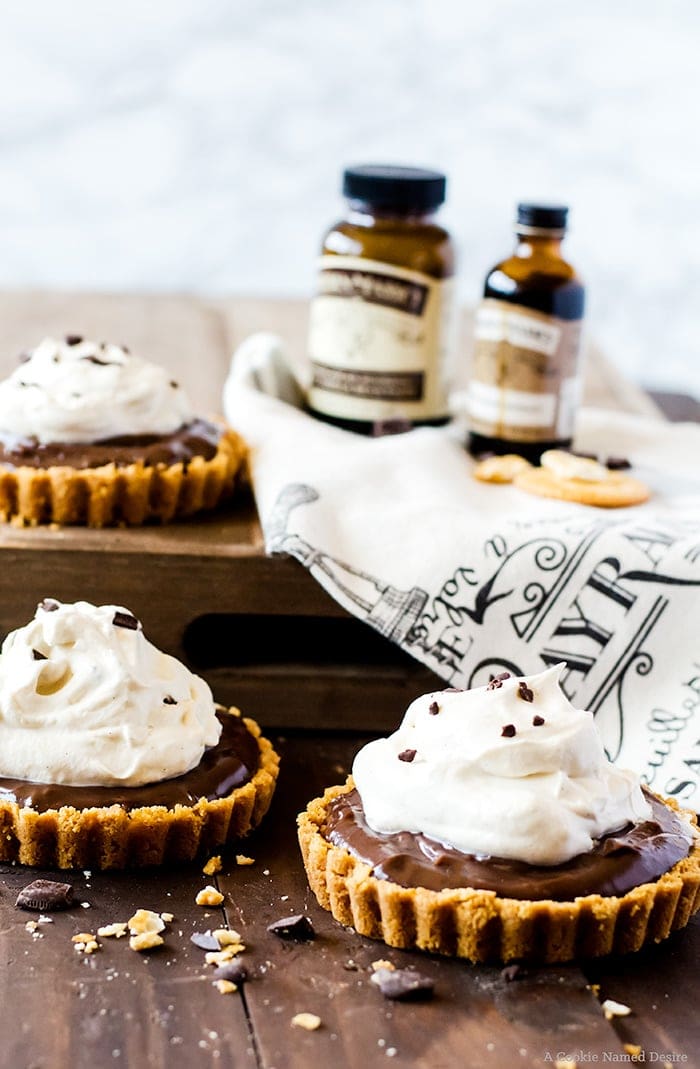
[(380, 331), (524, 384)]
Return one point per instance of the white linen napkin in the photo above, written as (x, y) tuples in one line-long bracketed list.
[(473, 579)]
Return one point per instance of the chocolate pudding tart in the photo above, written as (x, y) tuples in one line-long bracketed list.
[(492, 826), (113, 754), (90, 434)]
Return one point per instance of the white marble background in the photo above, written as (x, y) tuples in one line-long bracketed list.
[(197, 144)]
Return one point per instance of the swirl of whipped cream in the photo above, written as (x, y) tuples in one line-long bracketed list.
[(78, 391), (87, 700), (494, 774)]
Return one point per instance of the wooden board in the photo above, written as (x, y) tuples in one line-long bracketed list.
[(122, 1009), (204, 589)]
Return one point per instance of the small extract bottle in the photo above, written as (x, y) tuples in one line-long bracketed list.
[(381, 323), (524, 384)]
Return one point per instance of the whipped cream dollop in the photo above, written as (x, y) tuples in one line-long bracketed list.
[(509, 770), (87, 700), (78, 391)]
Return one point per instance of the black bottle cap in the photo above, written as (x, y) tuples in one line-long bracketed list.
[(400, 188), (543, 216)]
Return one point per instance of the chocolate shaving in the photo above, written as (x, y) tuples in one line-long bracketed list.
[(235, 971), (205, 941), (617, 464), (511, 972), (508, 731), (73, 339), (45, 896), (537, 721), (407, 755), (125, 619), (49, 605), (403, 985), (96, 360), (433, 708), (524, 691), (298, 928), (39, 656), (169, 700)]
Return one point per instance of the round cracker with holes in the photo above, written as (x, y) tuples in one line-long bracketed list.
[(615, 491)]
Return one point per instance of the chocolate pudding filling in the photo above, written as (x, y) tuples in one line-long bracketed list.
[(637, 854), (229, 764), (199, 438)]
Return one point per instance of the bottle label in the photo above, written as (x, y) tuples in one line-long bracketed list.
[(379, 341), (524, 383)]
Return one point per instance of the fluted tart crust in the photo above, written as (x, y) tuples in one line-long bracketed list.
[(117, 837), (479, 924)]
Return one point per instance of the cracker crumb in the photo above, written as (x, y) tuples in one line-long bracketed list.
[(595, 988), (213, 866), (209, 896), (31, 926), (85, 943), (115, 930), (614, 1009), (633, 1049), (241, 859), (225, 987), (145, 920), (145, 941), (381, 963), (226, 936), (219, 957), (167, 917), (308, 1021)]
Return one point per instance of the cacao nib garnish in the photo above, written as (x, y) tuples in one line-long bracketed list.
[(508, 731), (169, 700), (433, 708), (73, 339), (44, 896), (175, 385), (495, 682), (537, 721), (39, 656), (125, 619), (403, 985), (524, 691), (96, 360), (407, 755), (297, 927)]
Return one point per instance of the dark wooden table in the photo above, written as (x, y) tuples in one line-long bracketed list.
[(116, 1007)]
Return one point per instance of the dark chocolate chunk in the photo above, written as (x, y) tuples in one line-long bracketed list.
[(524, 691), (49, 605), (125, 619), (537, 721), (45, 896), (235, 971), (297, 927), (406, 755), (39, 656), (403, 985), (169, 700), (73, 339), (433, 708), (496, 682), (617, 464), (510, 973), (508, 731), (205, 941)]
